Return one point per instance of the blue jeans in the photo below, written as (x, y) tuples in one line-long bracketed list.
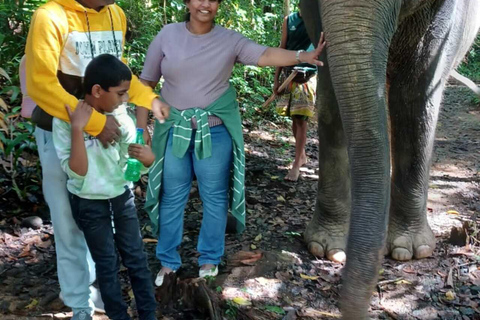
[(111, 225), (75, 266), (213, 176)]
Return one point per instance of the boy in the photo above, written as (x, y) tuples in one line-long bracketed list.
[(100, 197)]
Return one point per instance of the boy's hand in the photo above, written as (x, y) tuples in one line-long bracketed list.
[(80, 116), (142, 153), (160, 110)]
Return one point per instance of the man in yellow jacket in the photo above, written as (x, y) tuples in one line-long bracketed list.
[(64, 36)]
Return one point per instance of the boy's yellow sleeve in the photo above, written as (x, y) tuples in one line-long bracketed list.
[(44, 45), (140, 94)]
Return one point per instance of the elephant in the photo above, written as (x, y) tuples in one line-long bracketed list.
[(378, 98)]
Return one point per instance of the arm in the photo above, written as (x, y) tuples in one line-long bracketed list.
[(78, 161), (128, 147), (44, 44), (142, 113), (283, 45), (280, 57), (150, 76)]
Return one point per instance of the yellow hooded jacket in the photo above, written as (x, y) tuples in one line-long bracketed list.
[(63, 36)]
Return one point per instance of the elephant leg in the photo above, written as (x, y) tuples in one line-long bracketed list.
[(421, 56), (412, 136), (327, 231)]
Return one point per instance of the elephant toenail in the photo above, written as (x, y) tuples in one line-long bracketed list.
[(423, 251), (337, 255), (401, 254)]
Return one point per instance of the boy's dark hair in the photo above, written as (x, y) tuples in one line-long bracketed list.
[(106, 71)]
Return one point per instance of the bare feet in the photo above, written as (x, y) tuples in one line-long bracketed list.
[(295, 170), (293, 174)]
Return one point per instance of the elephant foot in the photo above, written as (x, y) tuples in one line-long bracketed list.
[(324, 243), (407, 244)]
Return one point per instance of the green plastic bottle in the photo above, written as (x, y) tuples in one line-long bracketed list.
[(133, 165)]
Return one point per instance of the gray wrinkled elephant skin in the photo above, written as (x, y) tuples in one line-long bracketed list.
[(378, 99)]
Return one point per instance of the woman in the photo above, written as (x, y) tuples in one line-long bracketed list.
[(298, 100), (203, 135)]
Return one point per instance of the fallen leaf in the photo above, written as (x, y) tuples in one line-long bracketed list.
[(450, 295), (25, 252), (402, 282), (409, 269), (276, 309), (304, 276), (280, 198), (34, 240), (453, 212), (312, 313), (251, 261), (450, 278), (463, 251), (253, 247), (45, 244), (241, 301), (32, 304), (258, 238), (148, 240), (274, 177)]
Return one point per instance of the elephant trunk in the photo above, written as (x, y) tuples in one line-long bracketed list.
[(358, 35)]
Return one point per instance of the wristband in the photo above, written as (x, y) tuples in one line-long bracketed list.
[(297, 55)]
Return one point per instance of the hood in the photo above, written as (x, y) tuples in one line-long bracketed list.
[(75, 6)]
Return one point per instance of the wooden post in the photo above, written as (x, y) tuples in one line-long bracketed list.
[(281, 88)]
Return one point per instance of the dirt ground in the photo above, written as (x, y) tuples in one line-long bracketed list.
[(268, 273)]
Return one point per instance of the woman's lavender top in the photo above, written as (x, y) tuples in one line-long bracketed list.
[(196, 68)]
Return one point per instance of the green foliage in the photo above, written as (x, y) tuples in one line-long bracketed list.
[(231, 310), (471, 65), (275, 309), (16, 135)]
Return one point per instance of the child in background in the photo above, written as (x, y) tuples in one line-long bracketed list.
[(101, 199)]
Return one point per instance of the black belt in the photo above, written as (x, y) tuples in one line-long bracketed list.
[(42, 119)]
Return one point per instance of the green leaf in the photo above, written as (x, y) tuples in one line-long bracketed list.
[(4, 73), (275, 309)]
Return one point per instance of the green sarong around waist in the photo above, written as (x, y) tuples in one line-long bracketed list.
[(225, 108)]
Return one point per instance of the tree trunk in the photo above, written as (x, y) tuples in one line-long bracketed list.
[(286, 7)]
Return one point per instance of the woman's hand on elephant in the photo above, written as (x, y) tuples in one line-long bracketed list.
[(312, 56)]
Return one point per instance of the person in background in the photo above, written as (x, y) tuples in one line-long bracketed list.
[(64, 36), (298, 99), (203, 135)]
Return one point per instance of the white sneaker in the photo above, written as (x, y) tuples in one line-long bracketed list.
[(212, 272), (98, 304), (161, 276)]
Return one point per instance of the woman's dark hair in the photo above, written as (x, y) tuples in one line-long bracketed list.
[(106, 71), (187, 15)]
